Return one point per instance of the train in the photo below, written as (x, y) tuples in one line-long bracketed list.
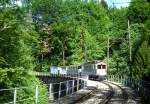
[(94, 69)]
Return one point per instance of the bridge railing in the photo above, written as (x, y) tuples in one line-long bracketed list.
[(16, 95), (58, 75), (59, 90), (54, 92), (141, 86)]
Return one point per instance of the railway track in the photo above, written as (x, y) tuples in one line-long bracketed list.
[(113, 94), (109, 96), (120, 95)]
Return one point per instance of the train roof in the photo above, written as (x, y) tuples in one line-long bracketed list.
[(96, 62)]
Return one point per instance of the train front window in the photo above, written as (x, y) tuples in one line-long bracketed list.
[(79, 67), (103, 66), (98, 66)]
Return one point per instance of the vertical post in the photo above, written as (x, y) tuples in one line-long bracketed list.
[(59, 90), (63, 54), (67, 88), (50, 87), (121, 80), (84, 83), (131, 82), (72, 86), (36, 95), (130, 48), (138, 85), (125, 80), (77, 84), (110, 78), (108, 56), (15, 95), (42, 61), (85, 54)]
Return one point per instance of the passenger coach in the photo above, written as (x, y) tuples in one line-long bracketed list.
[(95, 69)]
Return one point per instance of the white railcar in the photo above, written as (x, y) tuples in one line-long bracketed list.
[(57, 70), (95, 69), (72, 69)]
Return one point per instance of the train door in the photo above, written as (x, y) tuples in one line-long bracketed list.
[(58, 71), (98, 68)]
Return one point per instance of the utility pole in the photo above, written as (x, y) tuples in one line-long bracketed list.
[(130, 47), (108, 56), (42, 61), (85, 53), (63, 53)]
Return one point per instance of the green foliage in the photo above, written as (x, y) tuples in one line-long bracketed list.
[(140, 38), (16, 40), (139, 11), (118, 42), (103, 2), (69, 32), (78, 30), (141, 66), (10, 78), (18, 44)]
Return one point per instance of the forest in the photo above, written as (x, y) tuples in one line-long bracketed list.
[(43, 33)]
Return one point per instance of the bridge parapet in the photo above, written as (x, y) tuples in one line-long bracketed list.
[(67, 84), (58, 75), (73, 83), (54, 91), (141, 86)]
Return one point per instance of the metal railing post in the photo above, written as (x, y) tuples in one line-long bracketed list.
[(50, 87), (126, 81), (59, 90), (36, 95), (67, 88), (113, 78), (72, 86), (121, 79), (118, 78), (77, 84), (138, 85), (84, 84), (15, 95)]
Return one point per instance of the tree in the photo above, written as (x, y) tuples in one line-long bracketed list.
[(18, 45), (74, 25), (141, 67), (139, 11), (104, 4)]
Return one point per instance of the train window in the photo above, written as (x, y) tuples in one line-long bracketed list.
[(98, 66), (58, 71), (103, 66), (79, 67)]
